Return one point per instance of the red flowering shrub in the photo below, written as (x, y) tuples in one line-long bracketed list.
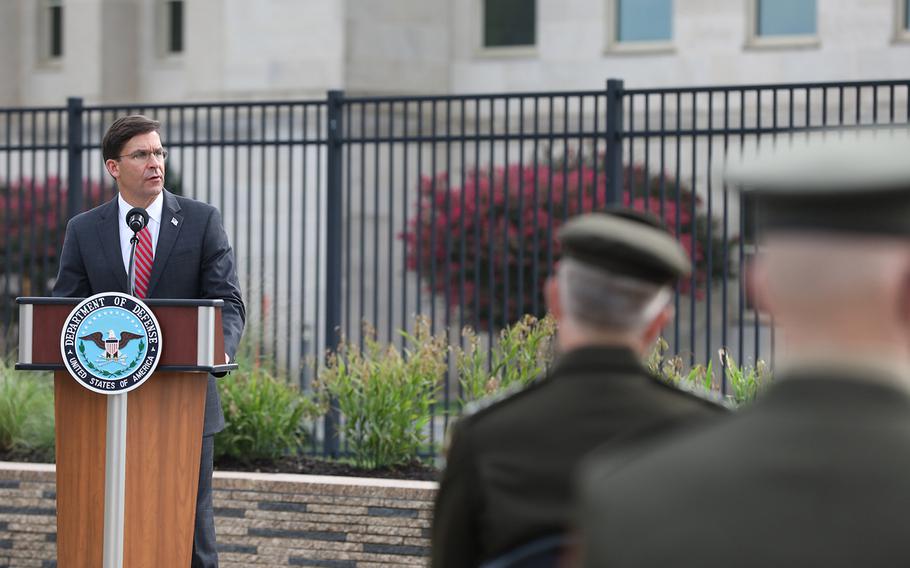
[(32, 220), (489, 243)]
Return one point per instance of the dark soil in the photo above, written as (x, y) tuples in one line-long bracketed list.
[(308, 465), (25, 456), (314, 466)]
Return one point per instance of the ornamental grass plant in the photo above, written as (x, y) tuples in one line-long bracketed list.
[(26, 413), (386, 396), (523, 353), (745, 382), (266, 417)]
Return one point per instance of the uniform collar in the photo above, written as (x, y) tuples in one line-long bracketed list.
[(600, 358), (843, 392)]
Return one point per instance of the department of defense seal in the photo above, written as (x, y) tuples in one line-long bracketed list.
[(111, 343)]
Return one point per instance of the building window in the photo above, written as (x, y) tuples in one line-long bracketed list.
[(783, 22), (51, 36), (171, 27), (785, 17), (902, 20), (174, 9), (644, 20), (509, 23)]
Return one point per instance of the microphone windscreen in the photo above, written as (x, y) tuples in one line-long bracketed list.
[(137, 218)]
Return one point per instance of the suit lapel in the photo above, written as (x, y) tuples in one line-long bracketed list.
[(109, 233), (167, 236)]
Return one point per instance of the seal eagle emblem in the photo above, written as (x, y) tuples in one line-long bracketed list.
[(111, 343)]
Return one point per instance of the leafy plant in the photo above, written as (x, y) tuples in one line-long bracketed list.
[(489, 243), (27, 204), (745, 382), (26, 413), (265, 417), (386, 396), (523, 353)]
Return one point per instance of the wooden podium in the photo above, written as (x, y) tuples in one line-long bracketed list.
[(163, 422)]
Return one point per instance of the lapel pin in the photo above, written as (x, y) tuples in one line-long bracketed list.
[(174, 221)]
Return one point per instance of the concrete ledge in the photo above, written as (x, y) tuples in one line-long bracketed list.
[(262, 519)]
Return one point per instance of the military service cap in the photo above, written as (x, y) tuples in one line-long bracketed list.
[(854, 182), (627, 243)]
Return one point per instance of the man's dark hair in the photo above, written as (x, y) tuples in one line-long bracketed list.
[(122, 130)]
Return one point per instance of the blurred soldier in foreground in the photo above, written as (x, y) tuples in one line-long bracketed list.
[(817, 473), (507, 486)]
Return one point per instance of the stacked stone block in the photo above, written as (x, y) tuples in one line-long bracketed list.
[(261, 519)]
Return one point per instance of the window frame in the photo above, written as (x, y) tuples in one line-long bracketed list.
[(615, 45), (508, 51), (163, 35), (901, 29), (45, 36), (755, 40)]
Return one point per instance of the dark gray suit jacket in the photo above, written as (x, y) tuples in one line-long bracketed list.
[(817, 474), (193, 259)]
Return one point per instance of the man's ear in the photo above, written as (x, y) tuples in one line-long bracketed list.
[(656, 326), (113, 168), (551, 295)]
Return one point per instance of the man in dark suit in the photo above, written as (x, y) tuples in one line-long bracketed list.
[(507, 483), (817, 472), (189, 257)]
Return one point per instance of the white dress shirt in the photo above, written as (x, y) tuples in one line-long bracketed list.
[(154, 226)]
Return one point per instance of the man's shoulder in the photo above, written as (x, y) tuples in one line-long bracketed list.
[(509, 400), (689, 399), (92, 216), (188, 205)]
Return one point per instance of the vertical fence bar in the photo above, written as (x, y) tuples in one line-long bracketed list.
[(74, 155), (613, 158), (333, 252)]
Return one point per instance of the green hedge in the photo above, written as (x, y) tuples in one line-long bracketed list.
[(387, 396)]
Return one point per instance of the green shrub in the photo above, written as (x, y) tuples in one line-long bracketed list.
[(744, 382), (26, 413), (386, 397), (523, 353), (265, 417)]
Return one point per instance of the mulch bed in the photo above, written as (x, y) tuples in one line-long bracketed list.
[(313, 466), (305, 465)]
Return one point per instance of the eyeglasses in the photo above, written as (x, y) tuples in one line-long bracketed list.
[(143, 155)]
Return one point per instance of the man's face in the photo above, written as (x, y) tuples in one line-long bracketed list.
[(139, 173)]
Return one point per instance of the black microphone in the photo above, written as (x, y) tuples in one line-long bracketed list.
[(137, 218)]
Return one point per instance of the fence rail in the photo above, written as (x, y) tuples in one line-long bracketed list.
[(351, 209)]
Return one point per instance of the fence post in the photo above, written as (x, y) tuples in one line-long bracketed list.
[(333, 254), (74, 156), (613, 156)]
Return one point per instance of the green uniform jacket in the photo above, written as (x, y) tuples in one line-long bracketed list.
[(510, 466), (816, 474)]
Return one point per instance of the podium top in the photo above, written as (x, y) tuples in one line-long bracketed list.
[(150, 302), (193, 336)]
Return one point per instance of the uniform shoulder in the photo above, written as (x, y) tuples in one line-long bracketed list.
[(507, 397), (686, 394)]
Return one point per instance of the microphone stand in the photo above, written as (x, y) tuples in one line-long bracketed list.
[(115, 458)]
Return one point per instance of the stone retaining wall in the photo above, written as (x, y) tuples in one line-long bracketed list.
[(261, 519)]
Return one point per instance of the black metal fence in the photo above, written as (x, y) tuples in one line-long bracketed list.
[(353, 209)]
